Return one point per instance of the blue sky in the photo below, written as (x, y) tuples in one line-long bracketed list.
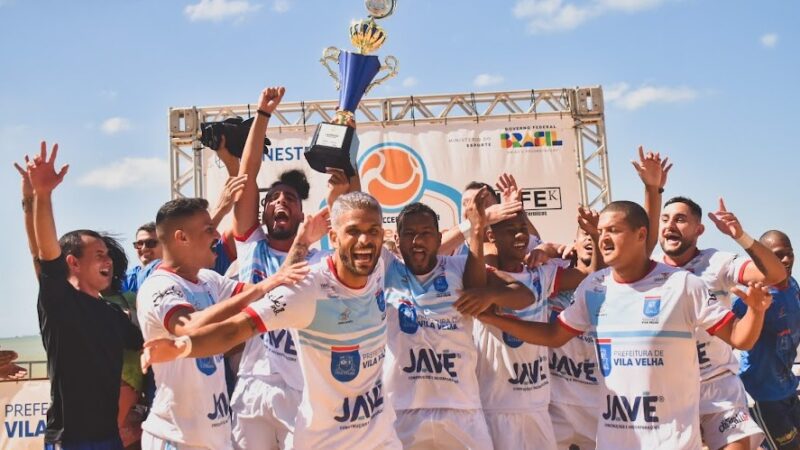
[(711, 83)]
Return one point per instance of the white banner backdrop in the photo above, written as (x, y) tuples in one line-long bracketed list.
[(432, 164), (24, 414)]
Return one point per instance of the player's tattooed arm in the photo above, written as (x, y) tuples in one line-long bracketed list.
[(310, 231), (766, 267)]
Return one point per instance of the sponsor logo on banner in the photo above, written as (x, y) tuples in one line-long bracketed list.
[(345, 363), (535, 137), (396, 175), (604, 356)]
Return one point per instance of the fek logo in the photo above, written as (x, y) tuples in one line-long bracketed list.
[(345, 363), (440, 283), (407, 315), (604, 356), (206, 365), (395, 175), (511, 341), (652, 306)]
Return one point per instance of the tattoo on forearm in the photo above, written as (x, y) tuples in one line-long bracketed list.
[(297, 253), (754, 256), (27, 205)]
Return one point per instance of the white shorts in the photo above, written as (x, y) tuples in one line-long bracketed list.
[(442, 429), (150, 442), (574, 426), (724, 416), (521, 430), (263, 410)]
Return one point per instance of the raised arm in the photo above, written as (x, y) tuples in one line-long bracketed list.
[(245, 210), (27, 211), (653, 172), (456, 236), (44, 179), (766, 267), (510, 193), (311, 230), (475, 268), (234, 186)]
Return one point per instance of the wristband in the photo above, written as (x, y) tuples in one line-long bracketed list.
[(745, 241), (465, 227), (187, 346), (261, 112)]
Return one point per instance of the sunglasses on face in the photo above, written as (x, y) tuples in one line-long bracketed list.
[(149, 243)]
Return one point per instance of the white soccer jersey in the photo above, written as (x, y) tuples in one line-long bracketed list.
[(431, 356), (720, 271), (341, 338), (646, 332), (191, 404), (513, 374), (574, 373), (274, 351)]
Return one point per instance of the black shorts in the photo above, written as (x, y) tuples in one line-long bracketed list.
[(780, 421)]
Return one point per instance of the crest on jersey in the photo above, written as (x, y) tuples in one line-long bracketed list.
[(381, 300), (345, 362), (206, 365), (652, 306), (407, 315), (440, 283), (511, 341), (604, 356)]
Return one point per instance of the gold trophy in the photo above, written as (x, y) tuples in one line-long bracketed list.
[(331, 145)]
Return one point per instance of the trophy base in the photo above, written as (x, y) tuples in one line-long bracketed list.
[(330, 147)]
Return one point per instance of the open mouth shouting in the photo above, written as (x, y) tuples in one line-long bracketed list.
[(364, 257), (280, 217)]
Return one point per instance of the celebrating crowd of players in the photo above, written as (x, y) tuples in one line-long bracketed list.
[(479, 337)]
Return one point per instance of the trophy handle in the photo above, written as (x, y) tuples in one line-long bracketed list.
[(390, 65), (331, 54)]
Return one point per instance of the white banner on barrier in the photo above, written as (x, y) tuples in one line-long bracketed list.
[(432, 164), (24, 412)]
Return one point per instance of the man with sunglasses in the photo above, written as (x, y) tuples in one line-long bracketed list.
[(148, 250)]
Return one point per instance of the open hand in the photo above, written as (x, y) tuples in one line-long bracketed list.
[(726, 221), (757, 296), (42, 173)]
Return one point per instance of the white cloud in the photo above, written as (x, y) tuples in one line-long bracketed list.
[(130, 172), (115, 125), (281, 6), (409, 82), (623, 96), (769, 40), (217, 10), (545, 16), (487, 79)]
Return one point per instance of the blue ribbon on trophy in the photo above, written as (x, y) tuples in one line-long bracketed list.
[(332, 143)]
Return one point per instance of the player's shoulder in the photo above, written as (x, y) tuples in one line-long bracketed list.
[(158, 287), (717, 257), (208, 275)]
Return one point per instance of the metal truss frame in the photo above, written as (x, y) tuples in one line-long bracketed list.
[(584, 104)]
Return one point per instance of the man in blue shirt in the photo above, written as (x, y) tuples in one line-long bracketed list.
[(766, 370)]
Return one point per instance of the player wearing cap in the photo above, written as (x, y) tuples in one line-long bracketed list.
[(338, 317), (645, 316)]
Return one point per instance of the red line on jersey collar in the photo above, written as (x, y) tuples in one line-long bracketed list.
[(332, 266)]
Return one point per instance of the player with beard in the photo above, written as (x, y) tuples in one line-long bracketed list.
[(431, 356), (338, 317), (190, 408), (513, 375), (575, 393), (722, 395), (268, 391), (766, 369), (645, 316)]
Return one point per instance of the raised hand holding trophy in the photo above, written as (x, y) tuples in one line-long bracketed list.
[(331, 144)]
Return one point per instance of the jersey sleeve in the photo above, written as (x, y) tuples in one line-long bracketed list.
[(53, 283), (575, 317), (158, 299), (285, 307), (225, 288), (730, 268), (709, 313)]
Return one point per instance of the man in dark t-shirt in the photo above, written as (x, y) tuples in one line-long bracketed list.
[(82, 335)]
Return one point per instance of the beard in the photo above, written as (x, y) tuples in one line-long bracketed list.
[(349, 263), (283, 233), (681, 249)]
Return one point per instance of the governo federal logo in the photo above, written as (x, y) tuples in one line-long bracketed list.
[(395, 174)]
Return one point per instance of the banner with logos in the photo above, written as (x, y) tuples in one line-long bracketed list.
[(24, 414), (432, 164)]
